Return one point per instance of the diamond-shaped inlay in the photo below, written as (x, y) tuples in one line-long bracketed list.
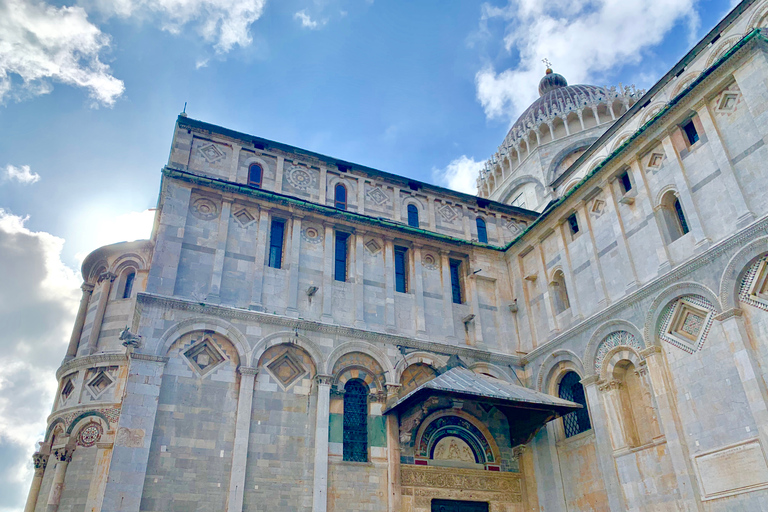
[(515, 227), (655, 160), (372, 246), (204, 356), (728, 101), (211, 153), (286, 368), (376, 195), (99, 383), (598, 207), (448, 212), (243, 217)]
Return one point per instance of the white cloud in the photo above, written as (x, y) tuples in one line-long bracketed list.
[(40, 44), (459, 175), (38, 302), (306, 20), (225, 23), (201, 63), (583, 39), (21, 174)]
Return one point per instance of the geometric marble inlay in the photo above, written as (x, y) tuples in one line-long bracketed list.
[(100, 383), (685, 322), (286, 368), (377, 196), (90, 434), (448, 212), (211, 153), (204, 356)]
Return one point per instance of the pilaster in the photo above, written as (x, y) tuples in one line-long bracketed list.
[(242, 434), (214, 290), (260, 261), (77, 331), (105, 281), (293, 270), (320, 487)]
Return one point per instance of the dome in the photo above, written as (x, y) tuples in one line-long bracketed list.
[(556, 97)]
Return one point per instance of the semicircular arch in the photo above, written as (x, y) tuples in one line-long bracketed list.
[(206, 323), (290, 337), (599, 335), (665, 297), (737, 267)]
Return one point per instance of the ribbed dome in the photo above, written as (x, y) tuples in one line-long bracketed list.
[(550, 82)]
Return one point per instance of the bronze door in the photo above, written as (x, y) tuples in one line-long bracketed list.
[(458, 506)]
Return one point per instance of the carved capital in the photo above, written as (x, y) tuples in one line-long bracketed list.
[(610, 385), (648, 352), (324, 380), (106, 275), (87, 288), (247, 370), (40, 460), (63, 454), (518, 451), (590, 379)]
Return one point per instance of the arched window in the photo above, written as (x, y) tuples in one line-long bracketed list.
[(255, 174), (632, 401), (482, 232), (559, 292), (413, 216), (674, 218), (355, 421), (340, 197), (571, 389), (128, 288)]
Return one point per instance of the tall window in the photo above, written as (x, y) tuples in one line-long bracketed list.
[(571, 389), (401, 280), (559, 292), (690, 132), (413, 216), (625, 182), (276, 233), (355, 421), (482, 232), (128, 289), (573, 223), (340, 197), (674, 217), (455, 281), (255, 175), (340, 268)]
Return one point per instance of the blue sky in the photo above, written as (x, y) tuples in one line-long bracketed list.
[(424, 89)]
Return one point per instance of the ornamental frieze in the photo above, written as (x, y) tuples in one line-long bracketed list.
[(509, 484)]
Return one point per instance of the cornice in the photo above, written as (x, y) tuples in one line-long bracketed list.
[(150, 299), (759, 227), (92, 360)]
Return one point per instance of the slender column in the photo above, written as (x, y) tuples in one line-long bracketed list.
[(393, 459), (214, 291), (603, 444), (323, 185), (106, 280), (359, 286), (320, 492), (595, 257), (327, 290), (99, 479), (686, 198), (279, 174), (260, 261), (465, 224), (673, 432), (732, 188), (396, 204), (361, 195), (554, 462), (662, 252), (242, 434), (570, 279), (235, 162), (63, 457), (40, 460), (547, 296), (431, 213), (474, 300), (389, 276), (77, 331), (447, 294), (128, 469), (293, 272), (418, 291), (748, 367)]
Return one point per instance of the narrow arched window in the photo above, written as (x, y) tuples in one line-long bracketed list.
[(413, 216), (128, 288), (559, 292), (680, 216), (674, 217), (482, 232), (340, 197), (571, 389), (255, 174), (355, 421)]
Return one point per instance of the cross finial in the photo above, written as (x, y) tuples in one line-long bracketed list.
[(546, 62)]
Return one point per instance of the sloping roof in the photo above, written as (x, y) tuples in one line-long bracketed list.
[(462, 381)]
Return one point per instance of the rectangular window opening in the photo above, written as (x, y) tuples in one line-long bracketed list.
[(340, 268), (625, 182), (276, 235), (401, 278), (456, 281), (573, 223), (690, 132)]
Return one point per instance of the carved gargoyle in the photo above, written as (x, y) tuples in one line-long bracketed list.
[(129, 339)]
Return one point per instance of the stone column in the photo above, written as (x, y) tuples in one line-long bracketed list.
[(389, 278), (293, 271), (40, 460), (547, 296), (63, 457), (242, 434), (99, 479), (359, 273), (322, 185), (360, 195), (77, 331), (320, 490), (603, 444), (418, 292), (570, 279), (260, 261), (432, 222), (621, 238), (474, 301), (393, 462), (450, 331), (106, 280), (599, 278), (327, 289), (556, 500), (214, 289), (672, 426), (279, 174), (128, 470)]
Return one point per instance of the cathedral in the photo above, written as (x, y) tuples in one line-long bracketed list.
[(306, 334)]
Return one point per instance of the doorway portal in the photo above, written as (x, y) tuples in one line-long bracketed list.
[(458, 506)]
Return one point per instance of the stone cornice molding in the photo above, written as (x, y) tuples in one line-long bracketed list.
[(92, 360), (150, 299), (149, 357), (757, 228)]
